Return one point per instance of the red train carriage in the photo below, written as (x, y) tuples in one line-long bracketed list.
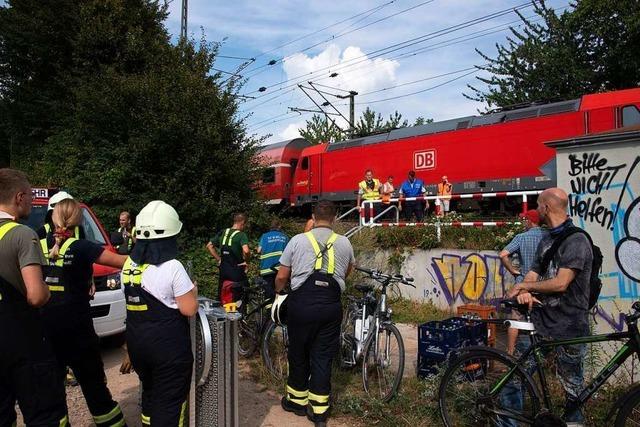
[(501, 151)]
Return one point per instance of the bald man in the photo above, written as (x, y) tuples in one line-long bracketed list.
[(564, 289)]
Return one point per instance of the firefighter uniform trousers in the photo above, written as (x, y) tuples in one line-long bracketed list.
[(68, 324), (313, 322), (160, 350), (232, 275), (27, 363)]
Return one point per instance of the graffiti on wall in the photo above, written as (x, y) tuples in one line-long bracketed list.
[(591, 174), (628, 248), (473, 277)]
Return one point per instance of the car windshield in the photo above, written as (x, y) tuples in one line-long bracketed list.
[(91, 229)]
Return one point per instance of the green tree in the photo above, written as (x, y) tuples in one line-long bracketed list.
[(421, 121), (129, 117), (371, 122), (591, 47), (319, 130)]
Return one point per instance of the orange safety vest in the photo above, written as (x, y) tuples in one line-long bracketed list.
[(444, 189)]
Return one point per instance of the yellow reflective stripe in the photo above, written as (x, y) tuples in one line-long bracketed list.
[(44, 247), (99, 419), (145, 420), (54, 288), (319, 409), (271, 255), (141, 307), (316, 249), (77, 232), (224, 237), (63, 251), (292, 391), (303, 402), (120, 423), (331, 253), (64, 421), (267, 271), (319, 398), (132, 273), (183, 410), (6, 227), (47, 228)]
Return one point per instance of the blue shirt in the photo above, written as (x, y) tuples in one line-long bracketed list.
[(272, 244), (525, 245), (412, 189)]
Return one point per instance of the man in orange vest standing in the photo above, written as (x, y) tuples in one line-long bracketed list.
[(444, 191)]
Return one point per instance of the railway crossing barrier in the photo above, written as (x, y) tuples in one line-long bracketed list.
[(370, 222)]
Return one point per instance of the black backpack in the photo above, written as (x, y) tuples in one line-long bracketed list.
[(595, 284)]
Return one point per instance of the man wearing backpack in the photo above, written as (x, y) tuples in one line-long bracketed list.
[(561, 280)]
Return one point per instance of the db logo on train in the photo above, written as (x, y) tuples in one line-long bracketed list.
[(424, 159)]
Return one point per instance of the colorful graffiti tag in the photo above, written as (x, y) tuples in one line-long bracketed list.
[(471, 278)]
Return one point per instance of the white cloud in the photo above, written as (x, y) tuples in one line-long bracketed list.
[(377, 72), (291, 131)]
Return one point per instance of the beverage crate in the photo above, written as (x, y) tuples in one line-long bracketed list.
[(481, 312), (449, 332)]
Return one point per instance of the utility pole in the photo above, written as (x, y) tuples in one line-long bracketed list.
[(352, 110), (183, 20)]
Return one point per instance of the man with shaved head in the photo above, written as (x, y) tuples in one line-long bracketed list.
[(564, 290)]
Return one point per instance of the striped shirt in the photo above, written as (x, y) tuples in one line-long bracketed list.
[(525, 245)]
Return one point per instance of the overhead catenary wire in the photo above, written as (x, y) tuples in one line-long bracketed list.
[(335, 24), (399, 46)]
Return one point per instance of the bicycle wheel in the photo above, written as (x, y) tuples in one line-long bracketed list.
[(383, 363), (464, 397), (629, 412), (275, 344), (248, 334), (347, 353)]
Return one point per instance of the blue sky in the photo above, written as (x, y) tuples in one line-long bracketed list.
[(268, 30)]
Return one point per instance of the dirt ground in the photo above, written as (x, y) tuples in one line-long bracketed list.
[(258, 407)]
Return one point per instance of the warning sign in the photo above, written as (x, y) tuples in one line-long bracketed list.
[(424, 159)]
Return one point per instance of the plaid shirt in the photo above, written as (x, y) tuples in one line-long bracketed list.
[(525, 245)]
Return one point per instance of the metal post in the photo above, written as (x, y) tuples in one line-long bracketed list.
[(438, 231), (183, 20), (524, 204), (352, 112)]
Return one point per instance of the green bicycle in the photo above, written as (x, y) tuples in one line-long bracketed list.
[(472, 388)]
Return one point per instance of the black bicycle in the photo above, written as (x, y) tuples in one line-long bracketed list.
[(255, 316), (477, 386)]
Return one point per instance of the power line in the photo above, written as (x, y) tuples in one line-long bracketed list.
[(402, 45), (419, 91), (373, 9), (418, 81)]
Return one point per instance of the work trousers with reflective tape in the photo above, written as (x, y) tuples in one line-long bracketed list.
[(314, 317)]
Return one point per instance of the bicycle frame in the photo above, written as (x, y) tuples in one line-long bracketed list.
[(630, 347)]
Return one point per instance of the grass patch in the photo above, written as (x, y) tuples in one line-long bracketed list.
[(415, 313)]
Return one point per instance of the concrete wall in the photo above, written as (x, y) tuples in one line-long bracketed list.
[(604, 182), (449, 277)]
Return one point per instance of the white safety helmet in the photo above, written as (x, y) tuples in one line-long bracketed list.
[(279, 310), (157, 220), (57, 198)]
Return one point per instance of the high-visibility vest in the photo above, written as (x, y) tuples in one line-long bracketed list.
[(444, 189), (370, 193), (76, 230), (331, 255)]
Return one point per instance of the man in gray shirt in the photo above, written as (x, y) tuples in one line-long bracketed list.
[(317, 263), (564, 289), (28, 369)]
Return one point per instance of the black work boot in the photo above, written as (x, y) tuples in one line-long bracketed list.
[(317, 420), (288, 406)]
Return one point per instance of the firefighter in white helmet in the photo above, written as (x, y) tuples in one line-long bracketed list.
[(160, 298)]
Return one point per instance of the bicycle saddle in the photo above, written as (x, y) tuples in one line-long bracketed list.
[(364, 287)]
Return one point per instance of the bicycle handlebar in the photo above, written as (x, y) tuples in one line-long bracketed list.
[(378, 275)]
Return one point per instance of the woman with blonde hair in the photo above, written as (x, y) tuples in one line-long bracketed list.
[(66, 317)]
